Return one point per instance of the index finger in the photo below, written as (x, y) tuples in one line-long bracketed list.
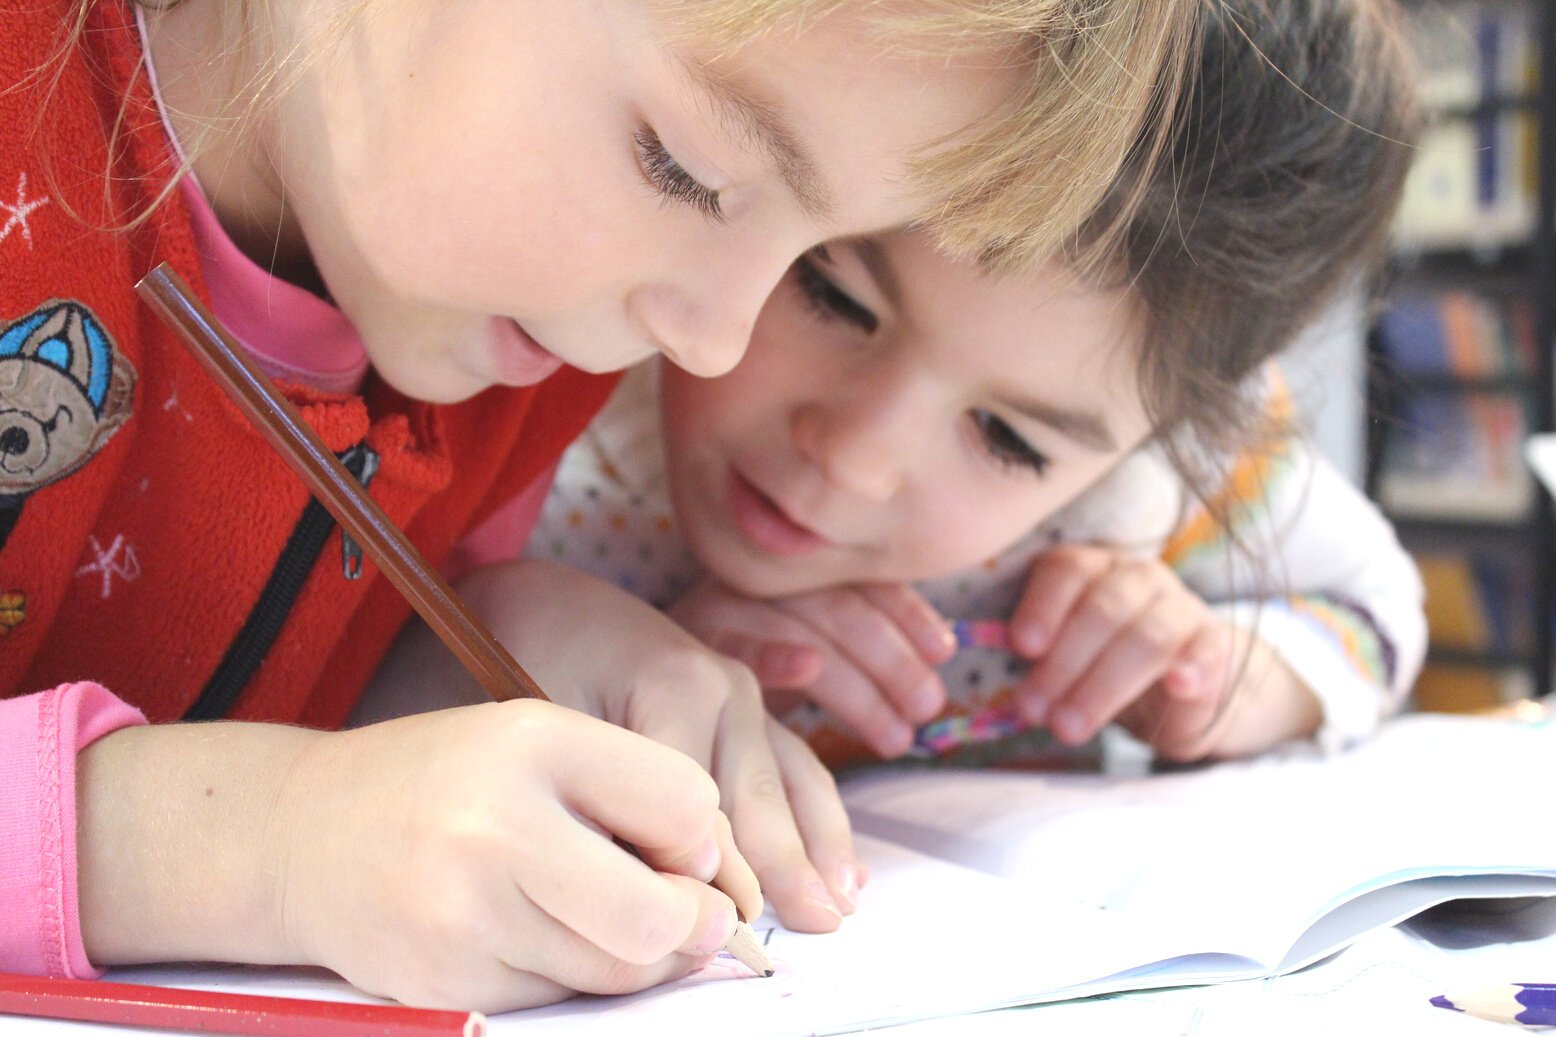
[(1057, 580), (645, 793)]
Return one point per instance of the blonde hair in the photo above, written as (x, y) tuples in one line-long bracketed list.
[(1103, 73), (1102, 77)]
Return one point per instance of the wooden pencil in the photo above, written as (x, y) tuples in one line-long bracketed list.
[(335, 487), (345, 498), (205, 1011)]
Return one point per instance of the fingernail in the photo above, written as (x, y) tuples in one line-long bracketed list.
[(1068, 724), (818, 893), (790, 659), (705, 862), (847, 888), (1029, 638), (898, 740), (719, 930), (1186, 676)]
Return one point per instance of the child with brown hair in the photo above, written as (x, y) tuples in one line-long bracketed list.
[(430, 220), (1097, 457)]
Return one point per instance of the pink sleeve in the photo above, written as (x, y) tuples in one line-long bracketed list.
[(501, 537), (40, 920)]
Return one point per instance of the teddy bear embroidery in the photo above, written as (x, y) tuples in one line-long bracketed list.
[(64, 391)]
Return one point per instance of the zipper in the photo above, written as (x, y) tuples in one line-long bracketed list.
[(275, 601)]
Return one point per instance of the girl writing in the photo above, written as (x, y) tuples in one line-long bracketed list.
[(431, 220)]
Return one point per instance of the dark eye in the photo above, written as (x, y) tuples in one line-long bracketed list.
[(665, 175), (828, 300), (1005, 445)]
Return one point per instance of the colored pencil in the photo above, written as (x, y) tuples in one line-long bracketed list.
[(205, 1011), (345, 498), (1529, 1004)]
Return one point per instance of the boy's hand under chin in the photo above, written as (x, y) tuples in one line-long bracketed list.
[(866, 653)]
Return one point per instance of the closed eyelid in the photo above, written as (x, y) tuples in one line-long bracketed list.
[(760, 122)]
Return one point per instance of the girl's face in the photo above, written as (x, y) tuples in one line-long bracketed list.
[(489, 189), (899, 417)]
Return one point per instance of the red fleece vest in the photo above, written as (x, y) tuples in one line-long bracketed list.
[(141, 515)]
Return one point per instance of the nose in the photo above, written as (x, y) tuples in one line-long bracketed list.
[(702, 322), (14, 440), (864, 440)]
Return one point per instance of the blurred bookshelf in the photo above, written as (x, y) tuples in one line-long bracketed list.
[(1461, 354)]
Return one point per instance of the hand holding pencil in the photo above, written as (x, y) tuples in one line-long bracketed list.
[(463, 859)]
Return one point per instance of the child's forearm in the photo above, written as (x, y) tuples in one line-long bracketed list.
[(182, 843)]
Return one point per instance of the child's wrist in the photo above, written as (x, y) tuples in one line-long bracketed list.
[(183, 843)]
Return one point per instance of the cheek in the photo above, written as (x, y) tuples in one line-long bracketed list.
[(511, 203), (967, 524), (466, 241)]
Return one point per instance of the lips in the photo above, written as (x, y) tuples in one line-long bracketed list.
[(762, 522), (517, 358)]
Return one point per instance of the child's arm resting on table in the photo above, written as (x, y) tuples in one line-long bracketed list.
[(463, 858), (596, 648)]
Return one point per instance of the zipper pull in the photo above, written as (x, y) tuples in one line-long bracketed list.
[(362, 462)]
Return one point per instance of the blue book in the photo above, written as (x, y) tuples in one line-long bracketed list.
[(1413, 335), (1488, 42)]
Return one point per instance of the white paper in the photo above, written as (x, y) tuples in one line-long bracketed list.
[(993, 889)]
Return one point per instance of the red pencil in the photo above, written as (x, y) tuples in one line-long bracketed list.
[(204, 1011)]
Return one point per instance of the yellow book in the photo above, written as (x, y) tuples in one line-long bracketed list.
[(1454, 615)]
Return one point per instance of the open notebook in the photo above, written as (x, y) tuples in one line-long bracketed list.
[(993, 889)]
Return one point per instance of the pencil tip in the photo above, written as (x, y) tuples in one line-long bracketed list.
[(1442, 1002), (766, 973)]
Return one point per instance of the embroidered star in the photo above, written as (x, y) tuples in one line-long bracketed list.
[(172, 401), (19, 211), (110, 564)]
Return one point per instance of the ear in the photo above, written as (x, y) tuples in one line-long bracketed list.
[(118, 403)]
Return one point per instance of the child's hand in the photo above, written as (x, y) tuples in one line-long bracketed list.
[(464, 858), (467, 857), (867, 653), (596, 648), (1114, 637)]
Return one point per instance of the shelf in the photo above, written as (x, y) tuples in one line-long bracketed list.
[(1463, 231), (1490, 658), (1502, 260), (1448, 381), (1459, 533), (1488, 107)]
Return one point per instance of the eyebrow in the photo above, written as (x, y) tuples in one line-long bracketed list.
[(760, 122), (1084, 427)]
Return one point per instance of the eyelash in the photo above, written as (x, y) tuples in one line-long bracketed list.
[(828, 300), (1004, 445), (667, 176)]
